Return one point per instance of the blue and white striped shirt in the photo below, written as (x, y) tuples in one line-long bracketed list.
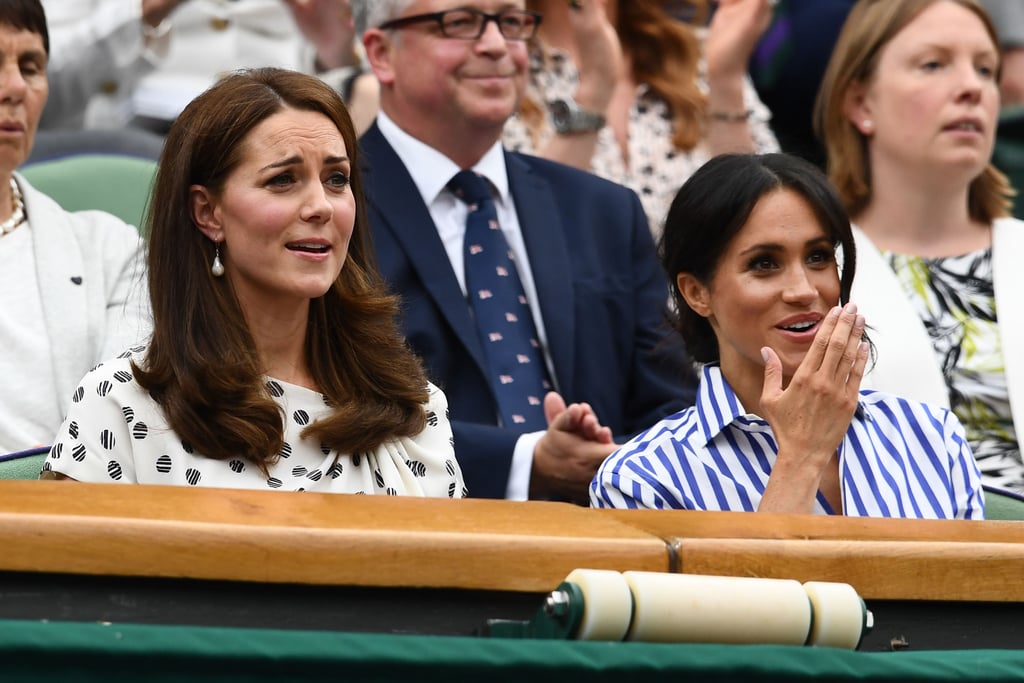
[(899, 458)]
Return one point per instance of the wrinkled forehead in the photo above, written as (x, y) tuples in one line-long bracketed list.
[(23, 35), (291, 131), (489, 6)]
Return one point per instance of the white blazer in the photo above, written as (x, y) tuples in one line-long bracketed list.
[(90, 269), (906, 363)]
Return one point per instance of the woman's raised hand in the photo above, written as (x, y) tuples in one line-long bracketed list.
[(733, 33), (810, 416), (599, 53)]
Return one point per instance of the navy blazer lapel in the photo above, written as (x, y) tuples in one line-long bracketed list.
[(393, 194), (550, 263)]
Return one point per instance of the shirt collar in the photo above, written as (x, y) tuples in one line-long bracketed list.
[(431, 170), (718, 406)]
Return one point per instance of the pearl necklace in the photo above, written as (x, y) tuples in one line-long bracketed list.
[(18, 217)]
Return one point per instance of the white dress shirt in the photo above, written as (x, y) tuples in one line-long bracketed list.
[(431, 171)]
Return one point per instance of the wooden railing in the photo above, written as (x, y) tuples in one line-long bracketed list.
[(324, 539)]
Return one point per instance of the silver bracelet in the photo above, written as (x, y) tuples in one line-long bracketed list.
[(731, 116)]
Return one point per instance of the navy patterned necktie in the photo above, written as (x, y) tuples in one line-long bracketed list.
[(503, 317)]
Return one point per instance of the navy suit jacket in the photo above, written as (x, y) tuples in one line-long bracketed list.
[(601, 292)]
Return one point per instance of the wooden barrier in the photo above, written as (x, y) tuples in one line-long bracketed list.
[(904, 559), (176, 555), (879, 570), (669, 525), (306, 538)]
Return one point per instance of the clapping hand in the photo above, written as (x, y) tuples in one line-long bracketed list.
[(599, 53), (328, 26), (567, 457), (733, 33)]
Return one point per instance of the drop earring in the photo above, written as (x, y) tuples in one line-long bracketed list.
[(217, 268)]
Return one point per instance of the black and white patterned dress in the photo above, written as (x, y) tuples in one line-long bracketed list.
[(115, 432)]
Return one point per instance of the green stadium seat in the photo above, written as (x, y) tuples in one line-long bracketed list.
[(117, 183)]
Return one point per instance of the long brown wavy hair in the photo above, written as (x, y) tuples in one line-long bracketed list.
[(201, 365), (869, 27), (665, 54)]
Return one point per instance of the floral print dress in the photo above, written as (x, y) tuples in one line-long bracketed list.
[(657, 169), (955, 298)]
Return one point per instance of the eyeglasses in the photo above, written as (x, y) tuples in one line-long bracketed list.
[(470, 24)]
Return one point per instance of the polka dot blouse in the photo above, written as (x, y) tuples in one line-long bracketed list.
[(115, 432)]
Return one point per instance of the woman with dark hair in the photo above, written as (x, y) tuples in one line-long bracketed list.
[(754, 244), (908, 112), (275, 360), (71, 283)]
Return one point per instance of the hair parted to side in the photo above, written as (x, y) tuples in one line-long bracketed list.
[(869, 27), (26, 15), (201, 365), (372, 13), (713, 206)]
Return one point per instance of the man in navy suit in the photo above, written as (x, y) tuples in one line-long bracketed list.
[(583, 248)]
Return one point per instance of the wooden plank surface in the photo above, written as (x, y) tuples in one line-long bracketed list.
[(878, 570), (674, 524), (279, 537), (324, 539)]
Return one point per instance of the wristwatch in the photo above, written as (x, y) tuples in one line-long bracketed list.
[(568, 117)]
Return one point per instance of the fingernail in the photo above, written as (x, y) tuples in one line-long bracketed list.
[(860, 322), (850, 308), (764, 354), (836, 310), (862, 348)]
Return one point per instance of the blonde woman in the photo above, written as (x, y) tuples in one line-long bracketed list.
[(908, 112)]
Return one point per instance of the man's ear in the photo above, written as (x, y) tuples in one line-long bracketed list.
[(204, 212), (377, 46), (695, 293)]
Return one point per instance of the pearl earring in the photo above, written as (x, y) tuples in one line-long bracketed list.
[(867, 124), (217, 268)]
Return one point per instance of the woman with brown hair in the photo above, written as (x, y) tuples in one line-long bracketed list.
[(625, 90), (908, 112), (275, 360)]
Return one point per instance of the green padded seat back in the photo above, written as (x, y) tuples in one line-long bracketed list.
[(23, 464), (1002, 504), (116, 183)]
